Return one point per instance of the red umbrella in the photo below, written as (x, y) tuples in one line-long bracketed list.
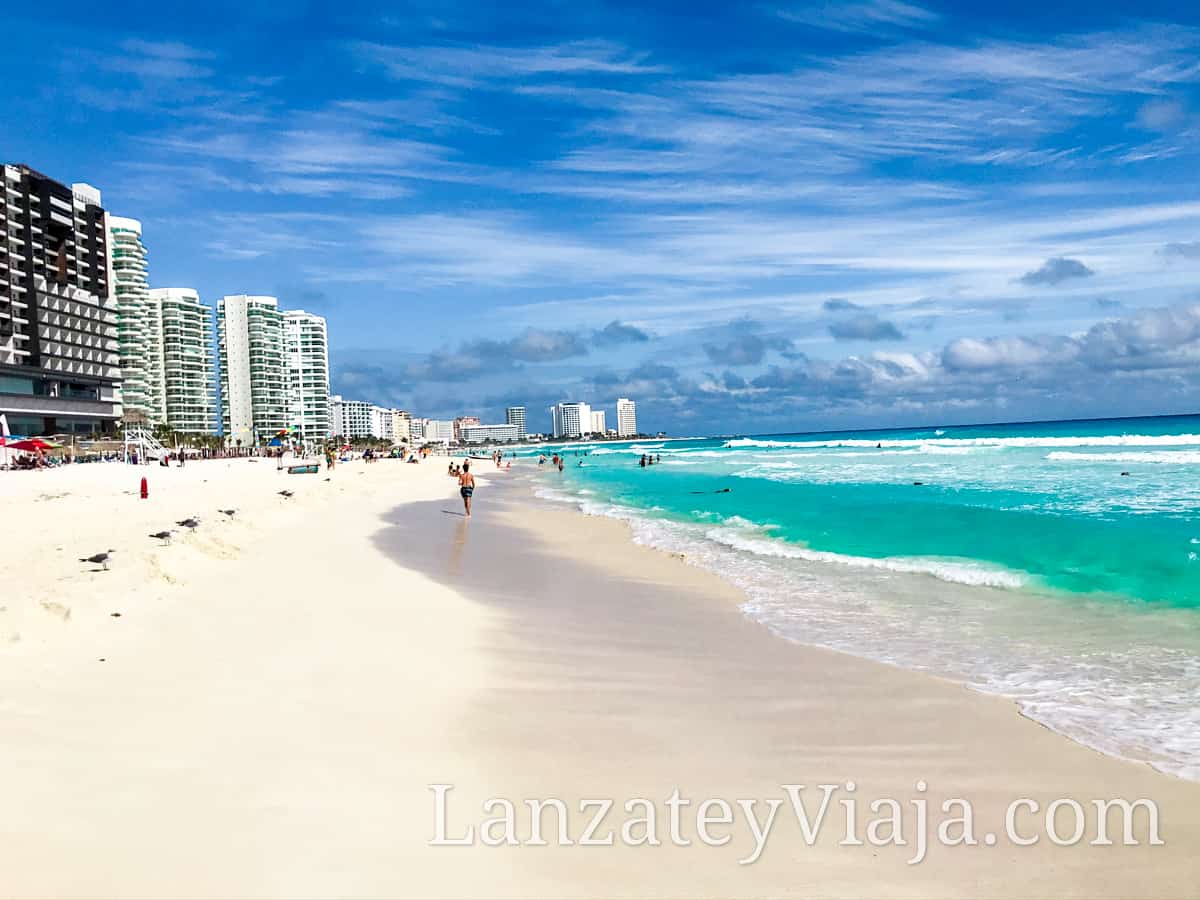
[(32, 444)]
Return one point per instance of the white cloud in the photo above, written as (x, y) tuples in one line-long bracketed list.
[(467, 66), (866, 15)]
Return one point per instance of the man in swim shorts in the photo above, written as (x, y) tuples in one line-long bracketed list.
[(466, 486)]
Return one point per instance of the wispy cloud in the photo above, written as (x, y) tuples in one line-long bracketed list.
[(165, 60), (991, 103), (865, 16), (474, 65)]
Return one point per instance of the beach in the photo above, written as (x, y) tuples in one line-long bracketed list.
[(280, 689)]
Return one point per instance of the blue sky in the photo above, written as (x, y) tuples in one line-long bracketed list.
[(749, 217)]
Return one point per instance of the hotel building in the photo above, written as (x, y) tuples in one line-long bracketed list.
[(571, 419), (463, 422), (515, 415), (59, 352), (254, 384), (381, 423), (479, 434), (185, 364), (350, 418), (437, 431), (306, 339), (401, 426), (598, 421), (360, 419), (138, 327), (626, 418)]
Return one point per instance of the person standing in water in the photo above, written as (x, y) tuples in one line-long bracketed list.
[(466, 486)]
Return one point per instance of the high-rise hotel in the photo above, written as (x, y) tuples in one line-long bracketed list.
[(186, 360), (254, 382), (274, 371), (85, 342), (139, 331), (59, 354), (515, 415), (306, 339), (570, 419), (626, 418)]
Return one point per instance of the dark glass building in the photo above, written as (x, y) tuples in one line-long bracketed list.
[(59, 360)]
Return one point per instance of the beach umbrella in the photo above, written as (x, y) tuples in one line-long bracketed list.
[(33, 444)]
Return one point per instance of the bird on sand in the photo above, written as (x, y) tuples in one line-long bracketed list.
[(100, 559), (228, 512), (189, 523), (285, 493), (164, 536)]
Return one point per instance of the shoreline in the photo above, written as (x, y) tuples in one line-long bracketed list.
[(563, 544), (282, 689), (874, 609)]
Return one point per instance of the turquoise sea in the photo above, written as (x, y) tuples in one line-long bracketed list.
[(1055, 563)]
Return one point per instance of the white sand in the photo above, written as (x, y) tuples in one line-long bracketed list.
[(278, 693)]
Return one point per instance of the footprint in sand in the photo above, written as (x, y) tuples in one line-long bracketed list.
[(218, 549), (162, 573), (57, 609)]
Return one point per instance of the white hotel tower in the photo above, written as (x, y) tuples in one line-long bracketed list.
[(626, 418), (254, 395), (186, 362), (570, 419), (137, 324), (306, 339)]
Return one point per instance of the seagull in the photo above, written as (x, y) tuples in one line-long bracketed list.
[(189, 523), (285, 493), (164, 536), (228, 512), (100, 559)]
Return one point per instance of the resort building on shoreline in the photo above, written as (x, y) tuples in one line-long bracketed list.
[(360, 419), (515, 415), (464, 422), (437, 431), (185, 364), (86, 343), (598, 421), (254, 396), (138, 327), (481, 434), (59, 351), (381, 423), (401, 426), (570, 419), (626, 418), (307, 343)]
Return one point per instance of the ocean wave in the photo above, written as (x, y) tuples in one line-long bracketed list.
[(1179, 457), (1101, 440), (635, 450), (953, 571), (1119, 680)]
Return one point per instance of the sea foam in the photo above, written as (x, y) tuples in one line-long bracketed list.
[(1103, 440), (1119, 679)]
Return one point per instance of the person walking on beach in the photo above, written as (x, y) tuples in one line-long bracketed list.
[(466, 486)]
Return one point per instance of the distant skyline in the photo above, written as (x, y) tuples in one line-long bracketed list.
[(769, 217)]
